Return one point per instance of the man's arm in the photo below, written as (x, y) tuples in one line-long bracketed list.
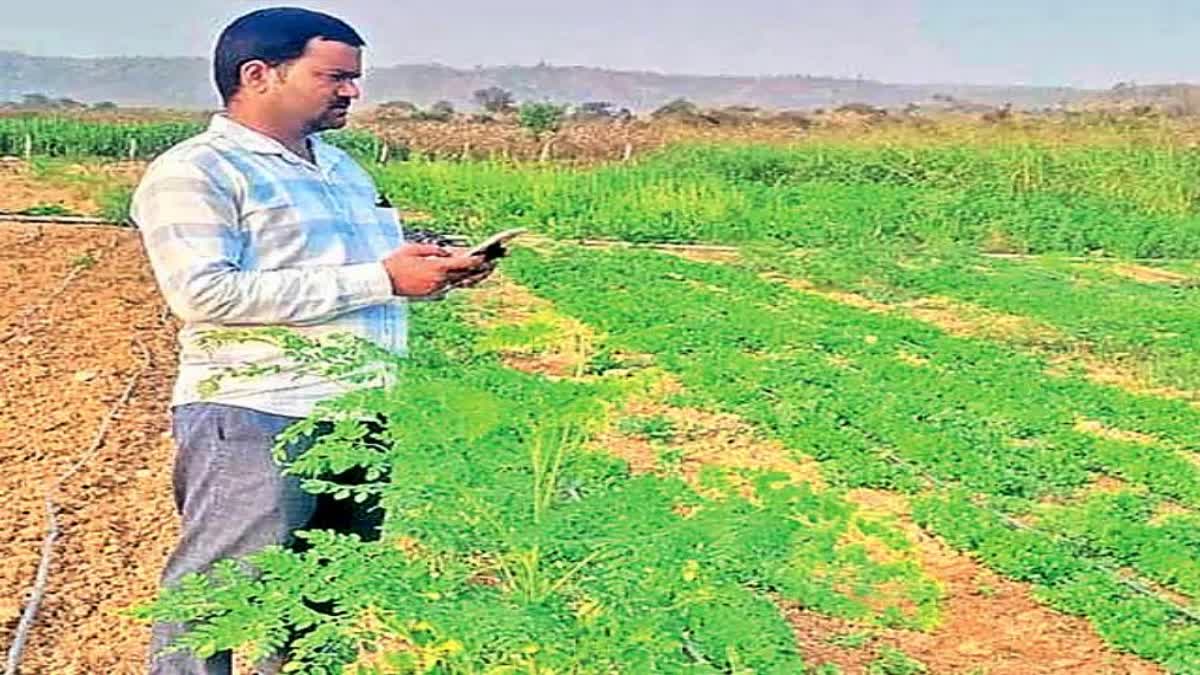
[(190, 226)]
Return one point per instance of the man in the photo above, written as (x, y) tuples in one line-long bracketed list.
[(257, 222)]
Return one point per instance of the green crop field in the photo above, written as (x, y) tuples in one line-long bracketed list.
[(42, 136), (999, 339)]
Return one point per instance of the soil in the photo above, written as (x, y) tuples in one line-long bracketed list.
[(702, 438), (65, 360), (990, 624), (75, 187)]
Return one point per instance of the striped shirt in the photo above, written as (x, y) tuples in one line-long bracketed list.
[(241, 233)]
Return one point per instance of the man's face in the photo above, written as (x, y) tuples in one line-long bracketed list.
[(315, 90)]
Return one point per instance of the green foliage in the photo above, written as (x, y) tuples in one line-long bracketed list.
[(47, 210), (1116, 529), (1144, 327), (856, 640), (511, 545), (827, 380), (1135, 201), (507, 545), (494, 99), (115, 203), (895, 662), (85, 261), (1069, 579), (364, 146), (541, 118), (442, 111), (65, 137), (652, 428)]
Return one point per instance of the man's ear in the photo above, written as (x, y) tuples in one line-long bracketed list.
[(255, 76)]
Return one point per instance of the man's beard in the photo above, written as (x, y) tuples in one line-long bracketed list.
[(330, 118)]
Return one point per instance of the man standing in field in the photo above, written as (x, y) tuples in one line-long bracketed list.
[(257, 222)]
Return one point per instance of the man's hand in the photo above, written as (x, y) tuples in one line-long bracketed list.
[(476, 276), (424, 269)]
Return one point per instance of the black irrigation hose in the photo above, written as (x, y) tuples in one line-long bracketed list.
[(54, 527)]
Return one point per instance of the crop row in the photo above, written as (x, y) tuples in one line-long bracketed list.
[(886, 401)]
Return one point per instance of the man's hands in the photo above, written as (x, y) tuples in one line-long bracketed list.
[(479, 274), (424, 269)]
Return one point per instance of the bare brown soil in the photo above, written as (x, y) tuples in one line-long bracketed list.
[(65, 360)]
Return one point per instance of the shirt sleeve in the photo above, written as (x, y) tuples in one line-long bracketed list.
[(190, 227)]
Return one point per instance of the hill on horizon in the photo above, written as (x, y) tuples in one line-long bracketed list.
[(186, 83)]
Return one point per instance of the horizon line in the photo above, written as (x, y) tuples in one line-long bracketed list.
[(632, 71)]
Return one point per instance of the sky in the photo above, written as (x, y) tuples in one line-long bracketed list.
[(1083, 43)]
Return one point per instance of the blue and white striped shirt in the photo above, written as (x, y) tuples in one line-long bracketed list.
[(242, 232)]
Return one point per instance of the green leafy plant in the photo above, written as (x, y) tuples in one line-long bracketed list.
[(653, 428), (541, 118), (895, 662), (47, 210), (506, 545)]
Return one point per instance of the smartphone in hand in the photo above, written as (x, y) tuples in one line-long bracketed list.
[(493, 247)]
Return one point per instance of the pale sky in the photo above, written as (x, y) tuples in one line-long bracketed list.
[(1038, 42)]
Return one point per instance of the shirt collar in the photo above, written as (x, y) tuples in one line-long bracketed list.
[(260, 143)]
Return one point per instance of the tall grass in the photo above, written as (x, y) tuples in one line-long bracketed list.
[(43, 136), (1134, 200), (1129, 191)]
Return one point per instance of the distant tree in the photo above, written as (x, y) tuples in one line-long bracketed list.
[(735, 114), (403, 106), (495, 100), (541, 118), (104, 105), (393, 110), (66, 102), (442, 111), (36, 101), (678, 107), (683, 110)]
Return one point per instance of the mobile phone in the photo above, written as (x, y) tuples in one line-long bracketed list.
[(493, 247)]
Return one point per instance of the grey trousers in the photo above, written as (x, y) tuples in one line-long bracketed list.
[(233, 500)]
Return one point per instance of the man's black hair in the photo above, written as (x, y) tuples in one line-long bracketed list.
[(276, 35)]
